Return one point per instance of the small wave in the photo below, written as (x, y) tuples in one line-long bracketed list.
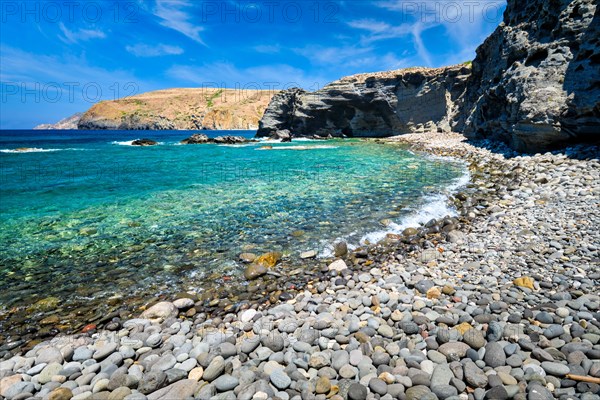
[(237, 145), (269, 140), (35, 150), (436, 206), (298, 147), (124, 143)]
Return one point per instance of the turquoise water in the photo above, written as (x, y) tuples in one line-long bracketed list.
[(84, 215)]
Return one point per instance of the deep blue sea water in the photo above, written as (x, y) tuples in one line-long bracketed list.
[(85, 215)]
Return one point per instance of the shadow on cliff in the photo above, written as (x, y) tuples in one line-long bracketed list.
[(581, 120), (579, 151)]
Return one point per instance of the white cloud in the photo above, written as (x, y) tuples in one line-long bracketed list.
[(174, 15), (80, 35), (422, 51), (156, 50)]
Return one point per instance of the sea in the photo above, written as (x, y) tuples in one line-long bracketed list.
[(85, 216)]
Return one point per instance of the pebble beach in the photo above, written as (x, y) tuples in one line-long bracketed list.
[(499, 302)]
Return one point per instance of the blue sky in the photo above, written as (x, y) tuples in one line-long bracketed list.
[(60, 57)]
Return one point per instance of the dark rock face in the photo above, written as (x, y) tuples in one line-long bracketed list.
[(535, 84), (280, 113), (370, 105), (536, 79)]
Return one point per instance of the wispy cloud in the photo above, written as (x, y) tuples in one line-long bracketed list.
[(45, 72), (174, 14), (225, 74), (351, 58), (379, 30), (41, 88), (323, 55), (155, 50), (464, 21), (80, 35)]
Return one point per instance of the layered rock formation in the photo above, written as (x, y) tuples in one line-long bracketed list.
[(534, 84), (67, 123), (536, 79), (374, 105), (185, 109)]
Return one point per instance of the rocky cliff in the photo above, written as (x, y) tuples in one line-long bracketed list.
[(374, 105), (67, 123), (188, 109), (536, 79), (534, 84)]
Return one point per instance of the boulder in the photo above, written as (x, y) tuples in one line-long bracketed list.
[(162, 310), (144, 142), (196, 138)]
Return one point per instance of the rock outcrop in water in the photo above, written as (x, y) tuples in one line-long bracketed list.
[(536, 79), (534, 84), (199, 138), (180, 109), (144, 142), (371, 105), (64, 124)]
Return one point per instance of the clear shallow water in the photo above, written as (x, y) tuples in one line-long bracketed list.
[(84, 215)]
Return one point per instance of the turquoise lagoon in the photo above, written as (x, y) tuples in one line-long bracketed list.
[(85, 215)]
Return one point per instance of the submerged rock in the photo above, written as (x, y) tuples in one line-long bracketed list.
[(268, 260), (254, 271)]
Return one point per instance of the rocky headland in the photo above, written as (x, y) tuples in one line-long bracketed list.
[(180, 109), (535, 85), (371, 105), (69, 123)]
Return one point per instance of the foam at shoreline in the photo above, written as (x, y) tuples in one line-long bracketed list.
[(35, 150), (435, 206)]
